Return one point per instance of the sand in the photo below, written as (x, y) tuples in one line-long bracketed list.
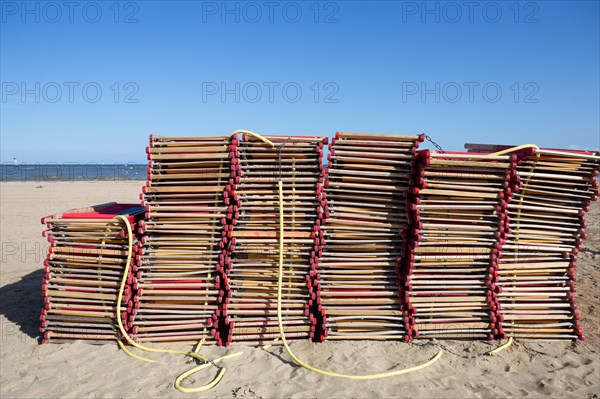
[(28, 369)]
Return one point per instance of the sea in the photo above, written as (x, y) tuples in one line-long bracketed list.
[(55, 172)]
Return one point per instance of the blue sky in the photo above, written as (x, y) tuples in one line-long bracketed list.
[(89, 81)]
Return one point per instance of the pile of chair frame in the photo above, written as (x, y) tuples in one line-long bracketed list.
[(179, 286), (250, 307), (386, 242), (545, 232), (366, 184), (457, 211), (83, 272)]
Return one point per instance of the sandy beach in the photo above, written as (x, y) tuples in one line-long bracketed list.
[(31, 370)]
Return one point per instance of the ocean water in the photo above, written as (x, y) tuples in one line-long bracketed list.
[(37, 172)]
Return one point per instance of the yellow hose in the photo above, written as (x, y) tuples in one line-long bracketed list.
[(129, 340), (211, 384), (133, 355), (279, 289), (282, 333), (501, 347), (513, 149), (258, 136)]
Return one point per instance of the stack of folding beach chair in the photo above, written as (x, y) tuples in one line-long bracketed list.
[(366, 183), (83, 272), (387, 242), (251, 303), (547, 227), (457, 210), (177, 282)]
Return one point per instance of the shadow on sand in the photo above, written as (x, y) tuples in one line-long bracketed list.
[(21, 302)]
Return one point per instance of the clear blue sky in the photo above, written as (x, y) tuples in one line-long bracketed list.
[(390, 67)]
